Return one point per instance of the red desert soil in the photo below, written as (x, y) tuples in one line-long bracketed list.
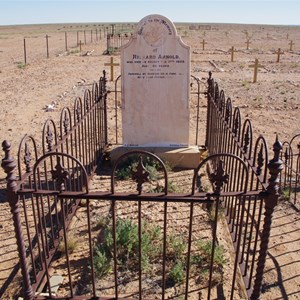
[(272, 104)]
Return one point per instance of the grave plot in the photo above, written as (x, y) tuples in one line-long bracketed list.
[(232, 209), (62, 179)]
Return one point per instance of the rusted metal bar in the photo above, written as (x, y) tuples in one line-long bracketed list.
[(187, 276), (164, 250), (91, 248), (114, 225), (140, 247), (66, 247)]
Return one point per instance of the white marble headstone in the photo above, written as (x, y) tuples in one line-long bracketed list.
[(155, 86)]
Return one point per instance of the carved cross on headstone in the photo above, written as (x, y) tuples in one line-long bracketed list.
[(248, 43), (256, 66), (279, 52), (291, 43), (203, 44), (111, 65), (232, 50)]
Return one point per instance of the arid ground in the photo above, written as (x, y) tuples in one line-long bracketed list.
[(272, 104)]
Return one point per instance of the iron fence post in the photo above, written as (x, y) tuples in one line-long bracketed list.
[(9, 165), (208, 96), (104, 91), (271, 199)]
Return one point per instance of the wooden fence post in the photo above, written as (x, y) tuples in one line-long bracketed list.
[(25, 58), (271, 199), (47, 46), (66, 41), (9, 165)]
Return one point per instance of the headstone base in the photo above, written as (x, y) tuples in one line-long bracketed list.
[(187, 157)]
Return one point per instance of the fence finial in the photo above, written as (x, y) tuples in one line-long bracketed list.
[(27, 159), (9, 165), (275, 166)]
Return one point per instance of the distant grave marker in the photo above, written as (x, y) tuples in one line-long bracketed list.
[(111, 65), (248, 43), (279, 52), (256, 66), (232, 50), (291, 43), (203, 44), (155, 86), (80, 45), (246, 33)]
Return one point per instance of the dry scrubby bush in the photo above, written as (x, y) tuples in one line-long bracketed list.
[(127, 243)]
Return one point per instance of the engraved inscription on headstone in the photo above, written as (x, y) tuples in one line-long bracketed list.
[(155, 86)]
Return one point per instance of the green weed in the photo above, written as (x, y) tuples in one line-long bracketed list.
[(172, 188), (246, 84), (74, 51), (127, 242), (21, 65), (176, 247), (71, 245), (128, 166), (285, 194), (204, 250), (258, 99), (177, 273)]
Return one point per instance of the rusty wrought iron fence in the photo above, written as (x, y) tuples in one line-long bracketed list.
[(81, 134), (226, 133), (184, 255), (290, 177)]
